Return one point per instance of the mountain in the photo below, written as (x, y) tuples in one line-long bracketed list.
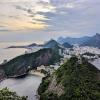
[(67, 45), (93, 41), (20, 64), (74, 80), (32, 45), (51, 44), (73, 40)]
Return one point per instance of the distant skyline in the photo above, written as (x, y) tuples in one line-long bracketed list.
[(40, 20)]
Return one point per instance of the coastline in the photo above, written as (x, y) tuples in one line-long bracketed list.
[(13, 83)]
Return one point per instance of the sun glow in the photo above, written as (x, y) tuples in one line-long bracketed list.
[(25, 15)]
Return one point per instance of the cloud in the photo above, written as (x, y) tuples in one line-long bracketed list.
[(40, 17), (58, 16), (76, 16), (24, 14)]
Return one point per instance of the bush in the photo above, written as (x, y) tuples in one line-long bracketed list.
[(5, 94), (49, 96)]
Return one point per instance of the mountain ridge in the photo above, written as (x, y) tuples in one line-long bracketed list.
[(94, 41), (73, 40)]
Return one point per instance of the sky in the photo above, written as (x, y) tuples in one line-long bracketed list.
[(40, 20)]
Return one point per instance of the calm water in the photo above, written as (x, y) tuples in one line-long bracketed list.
[(11, 53), (24, 87)]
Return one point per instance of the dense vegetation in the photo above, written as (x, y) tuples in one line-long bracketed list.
[(44, 84), (79, 79), (20, 64), (43, 87), (5, 94)]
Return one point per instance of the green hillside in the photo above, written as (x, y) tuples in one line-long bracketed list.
[(74, 80)]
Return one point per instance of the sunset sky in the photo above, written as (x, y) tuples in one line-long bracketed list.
[(40, 20)]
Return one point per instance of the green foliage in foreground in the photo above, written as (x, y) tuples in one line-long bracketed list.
[(80, 82), (5, 94)]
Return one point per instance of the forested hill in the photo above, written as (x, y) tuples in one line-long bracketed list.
[(20, 64), (74, 80)]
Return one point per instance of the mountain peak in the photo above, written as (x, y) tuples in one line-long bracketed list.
[(93, 41), (67, 45), (97, 34), (52, 40), (51, 43)]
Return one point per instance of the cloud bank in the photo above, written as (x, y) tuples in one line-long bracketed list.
[(61, 17)]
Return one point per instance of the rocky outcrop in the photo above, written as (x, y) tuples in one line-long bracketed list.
[(55, 88)]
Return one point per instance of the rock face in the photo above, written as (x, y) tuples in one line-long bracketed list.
[(55, 88), (72, 81), (21, 64)]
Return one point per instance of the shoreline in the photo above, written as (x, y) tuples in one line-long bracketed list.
[(35, 94), (31, 72)]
